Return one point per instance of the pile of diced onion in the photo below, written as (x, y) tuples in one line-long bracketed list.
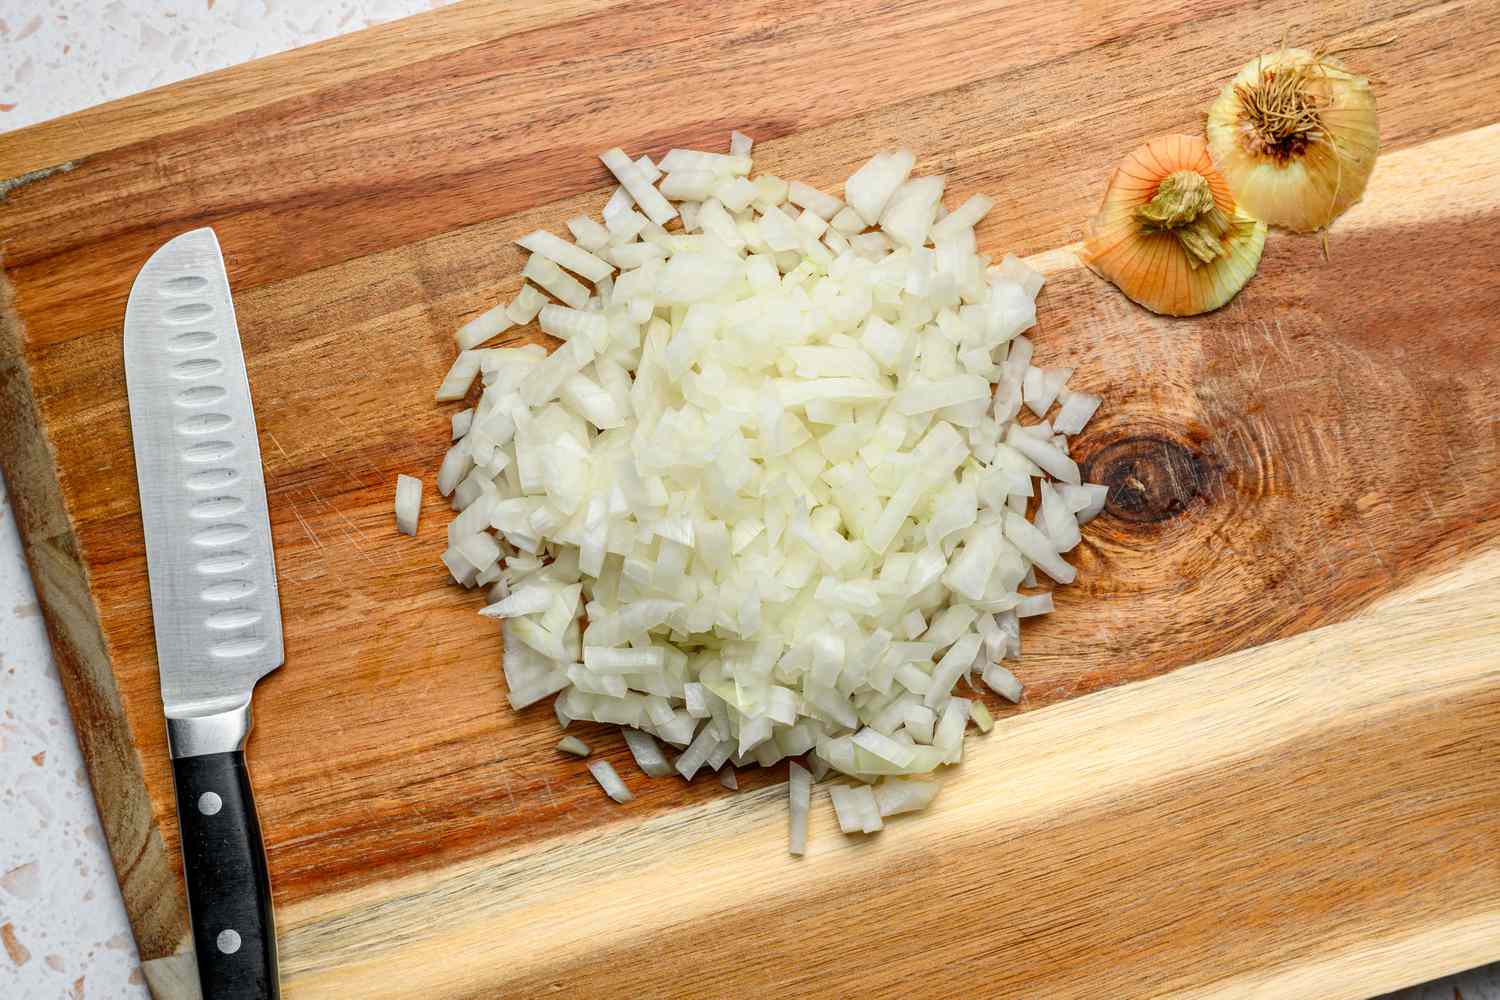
[(769, 497)]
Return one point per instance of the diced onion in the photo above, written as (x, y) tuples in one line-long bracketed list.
[(1077, 409), (966, 216), (455, 384), (1002, 682), (646, 753), (825, 206), (870, 188), (634, 180), (799, 794), (565, 254), (856, 808), (463, 420), (574, 746), (609, 780), (1043, 453), (486, 326), (408, 503), (588, 234), (894, 796), (524, 307), (769, 497), (557, 282), (1037, 547), (1034, 604), (648, 170)]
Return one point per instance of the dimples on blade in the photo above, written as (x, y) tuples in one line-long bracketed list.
[(203, 497)]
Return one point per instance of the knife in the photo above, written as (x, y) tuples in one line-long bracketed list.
[(213, 592)]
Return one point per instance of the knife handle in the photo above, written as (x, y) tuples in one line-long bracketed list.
[(229, 888)]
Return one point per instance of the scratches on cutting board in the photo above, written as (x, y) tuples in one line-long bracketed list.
[(31, 177)]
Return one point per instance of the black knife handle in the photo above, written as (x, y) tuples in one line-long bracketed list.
[(229, 888)]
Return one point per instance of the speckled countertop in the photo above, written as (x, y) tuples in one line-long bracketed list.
[(62, 926)]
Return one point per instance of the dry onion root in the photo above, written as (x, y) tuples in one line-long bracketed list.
[(1295, 135), (1168, 234)]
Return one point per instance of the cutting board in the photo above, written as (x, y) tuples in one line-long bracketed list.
[(1260, 748)]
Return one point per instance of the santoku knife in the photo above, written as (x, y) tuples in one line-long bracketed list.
[(213, 592)]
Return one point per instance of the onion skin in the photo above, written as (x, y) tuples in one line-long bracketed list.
[(1152, 268), (1301, 186)]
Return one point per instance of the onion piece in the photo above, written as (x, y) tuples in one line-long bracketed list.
[(633, 180), (699, 159), (1077, 409), (408, 503), (894, 796), (486, 326), (462, 421), (946, 673), (1002, 682), (525, 306), (565, 254), (825, 206), (949, 734), (1041, 386), (574, 746), (688, 185), (1034, 604), (799, 796), (966, 216), (1013, 269), (911, 210), (884, 747), (1044, 454), (588, 234), (524, 600), (610, 781), (529, 677), (855, 808), (1037, 547), (869, 188), (647, 754), (698, 752), (461, 374), (1098, 496)]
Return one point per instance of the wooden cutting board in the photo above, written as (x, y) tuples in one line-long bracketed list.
[(1284, 779)]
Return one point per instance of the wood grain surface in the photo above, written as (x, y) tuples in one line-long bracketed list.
[(1283, 470)]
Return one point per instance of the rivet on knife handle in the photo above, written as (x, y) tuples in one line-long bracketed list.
[(229, 889)]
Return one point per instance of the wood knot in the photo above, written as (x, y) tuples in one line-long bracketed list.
[(1150, 479)]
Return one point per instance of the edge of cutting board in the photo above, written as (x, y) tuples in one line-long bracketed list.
[(59, 143), (1080, 810), (1282, 739), (159, 916)]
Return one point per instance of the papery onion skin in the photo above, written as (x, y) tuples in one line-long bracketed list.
[(1151, 267), (1304, 185)]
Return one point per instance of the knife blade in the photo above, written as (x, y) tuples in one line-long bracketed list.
[(214, 601)]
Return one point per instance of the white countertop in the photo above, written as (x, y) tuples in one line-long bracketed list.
[(62, 926)]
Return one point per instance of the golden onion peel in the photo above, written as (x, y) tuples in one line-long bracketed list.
[(1168, 234)]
